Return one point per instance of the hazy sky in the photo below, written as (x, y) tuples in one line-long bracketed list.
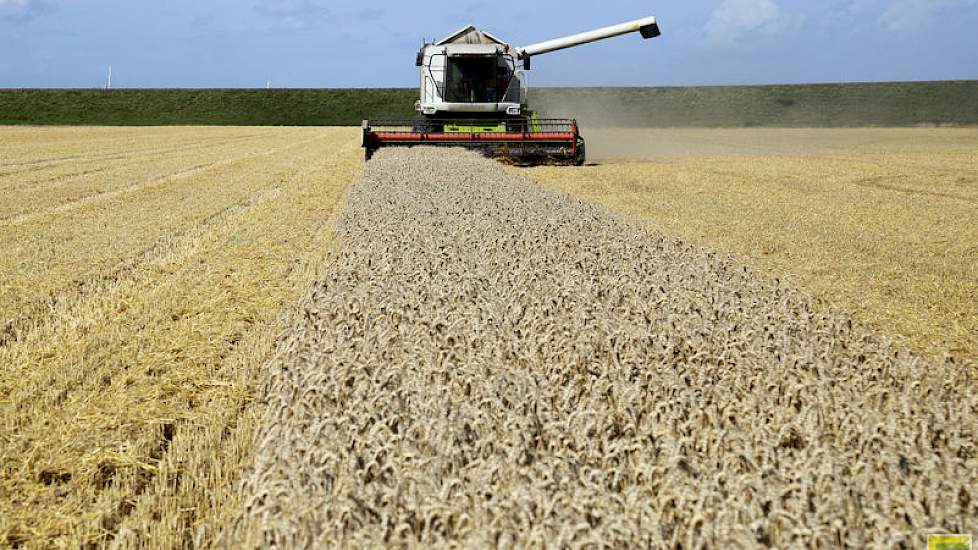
[(348, 43)]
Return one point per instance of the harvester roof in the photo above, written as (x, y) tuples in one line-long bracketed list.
[(470, 35)]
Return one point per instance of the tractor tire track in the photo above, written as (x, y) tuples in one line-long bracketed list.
[(38, 312), (152, 182), (122, 155), (130, 161)]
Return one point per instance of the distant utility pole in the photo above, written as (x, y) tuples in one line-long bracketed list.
[(108, 80)]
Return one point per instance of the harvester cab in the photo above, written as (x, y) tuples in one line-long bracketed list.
[(473, 95)]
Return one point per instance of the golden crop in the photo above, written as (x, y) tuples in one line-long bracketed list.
[(489, 364), (188, 359)]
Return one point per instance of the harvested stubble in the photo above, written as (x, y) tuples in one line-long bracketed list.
[(33, 187), (489, 363), (57, 250), (881, 223), (141, 317)]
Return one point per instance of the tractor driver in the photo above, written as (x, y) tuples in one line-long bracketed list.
[(481, 80)]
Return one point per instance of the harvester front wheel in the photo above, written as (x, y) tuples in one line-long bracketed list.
[(581, 157)]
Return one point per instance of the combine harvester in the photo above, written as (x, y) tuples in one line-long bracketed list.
[(473, 95)]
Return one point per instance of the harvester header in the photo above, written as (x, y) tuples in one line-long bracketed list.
[(473, 95)]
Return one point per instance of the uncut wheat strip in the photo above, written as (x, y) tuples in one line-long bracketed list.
[(487, 363), (94, 246), (192, 279)]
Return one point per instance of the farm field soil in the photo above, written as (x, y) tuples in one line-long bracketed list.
[(142, 280), (882, 223)]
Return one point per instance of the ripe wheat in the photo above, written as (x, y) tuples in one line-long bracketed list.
[(488, 363)]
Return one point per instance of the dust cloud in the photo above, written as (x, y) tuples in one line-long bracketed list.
[(652, 123), (612, 131)]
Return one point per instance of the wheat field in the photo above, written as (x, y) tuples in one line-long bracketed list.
[(167, 296), (489, 364), (141, 283), (880, 223)]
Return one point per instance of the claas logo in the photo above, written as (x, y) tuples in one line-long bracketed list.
[(949, 542)]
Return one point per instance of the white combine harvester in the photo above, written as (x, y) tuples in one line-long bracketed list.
[(473, 95)]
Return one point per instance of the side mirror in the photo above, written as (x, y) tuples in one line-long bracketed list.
[(420, 60), (526, 63)]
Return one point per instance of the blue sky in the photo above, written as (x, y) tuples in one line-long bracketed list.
[(346, 43)]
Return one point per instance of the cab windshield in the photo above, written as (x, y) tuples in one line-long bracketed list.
[(477, 79)]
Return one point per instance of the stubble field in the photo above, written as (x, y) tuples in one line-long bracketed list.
[(879, 223), (163, 384), (141, 283)]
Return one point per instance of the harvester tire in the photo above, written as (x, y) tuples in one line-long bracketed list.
[(581, 157)]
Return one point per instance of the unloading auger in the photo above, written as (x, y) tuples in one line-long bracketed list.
[(473, 95)]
